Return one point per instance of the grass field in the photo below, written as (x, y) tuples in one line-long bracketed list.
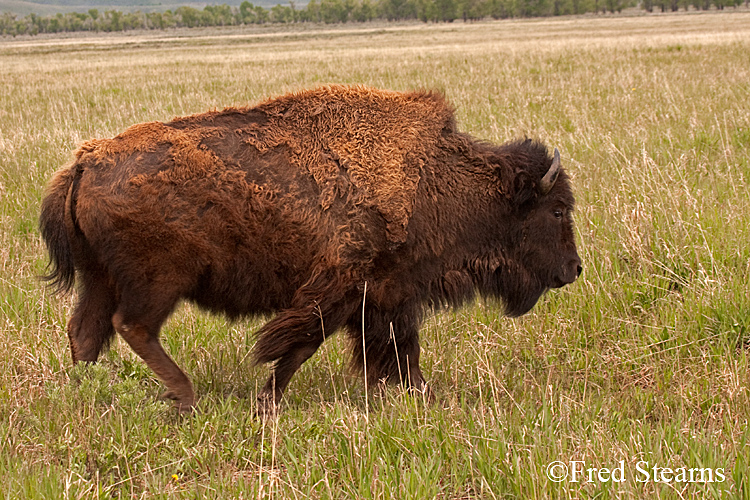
[(642, 363)]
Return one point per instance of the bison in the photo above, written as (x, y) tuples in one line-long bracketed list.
[(341, 207)]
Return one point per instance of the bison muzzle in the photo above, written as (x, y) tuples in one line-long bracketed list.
[(334, 208)]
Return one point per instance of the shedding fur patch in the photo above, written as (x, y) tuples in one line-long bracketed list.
[(377, 140), (363, 145), (191, 159)]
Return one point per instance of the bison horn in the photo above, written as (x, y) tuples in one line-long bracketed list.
[(551, 176)]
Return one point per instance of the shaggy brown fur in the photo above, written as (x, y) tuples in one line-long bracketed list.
[(314, 206), (381, 140)]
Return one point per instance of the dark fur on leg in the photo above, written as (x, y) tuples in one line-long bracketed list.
[(90, 327), (399, 333), (293, 336)]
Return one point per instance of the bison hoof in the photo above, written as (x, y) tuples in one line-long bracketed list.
[(424, 392), (184, 404), (268, 408)]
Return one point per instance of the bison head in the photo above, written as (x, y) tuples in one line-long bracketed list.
[(540, 252)]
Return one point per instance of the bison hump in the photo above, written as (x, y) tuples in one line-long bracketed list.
[(378, 141)]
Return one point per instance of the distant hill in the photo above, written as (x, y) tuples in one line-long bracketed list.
[(51, 7)]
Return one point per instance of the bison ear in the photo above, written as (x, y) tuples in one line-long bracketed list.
[(524, 188)]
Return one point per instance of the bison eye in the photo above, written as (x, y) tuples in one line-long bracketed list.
[(558, 214)]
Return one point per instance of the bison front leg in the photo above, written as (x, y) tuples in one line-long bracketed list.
[(271, 394), (143, 338), (289, 340), (391, 348), (293, 336)]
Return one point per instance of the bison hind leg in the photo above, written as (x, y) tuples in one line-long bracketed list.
[(90, 327), (138, 319)]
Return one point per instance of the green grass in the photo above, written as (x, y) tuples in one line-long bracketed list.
[(644, 359)]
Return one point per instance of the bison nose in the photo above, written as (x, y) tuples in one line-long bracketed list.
[(573, 270)]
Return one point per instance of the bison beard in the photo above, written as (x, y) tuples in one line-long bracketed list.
[(327, 207)]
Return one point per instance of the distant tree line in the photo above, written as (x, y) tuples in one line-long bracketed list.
[(675, 5), (333, 11)]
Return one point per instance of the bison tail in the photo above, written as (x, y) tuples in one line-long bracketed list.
[(55, 232)]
